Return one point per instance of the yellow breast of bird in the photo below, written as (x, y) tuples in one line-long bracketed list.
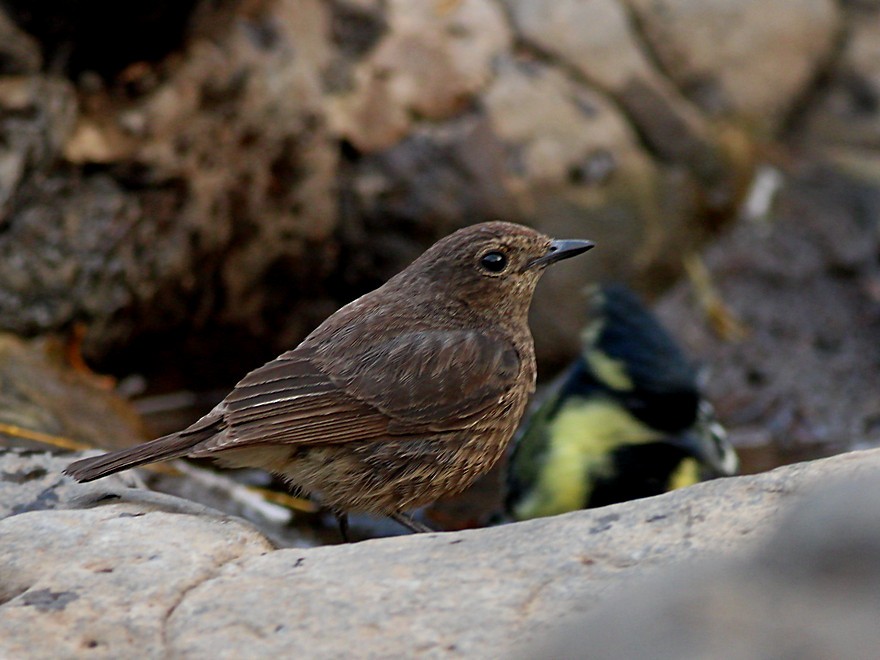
[(581, 438)]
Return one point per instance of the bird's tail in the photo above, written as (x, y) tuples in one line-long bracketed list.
[(165, 448)]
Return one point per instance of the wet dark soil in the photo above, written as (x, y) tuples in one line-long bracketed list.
[(804, 380)]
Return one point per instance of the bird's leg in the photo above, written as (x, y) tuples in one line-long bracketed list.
[(409, 523), (342, 521)]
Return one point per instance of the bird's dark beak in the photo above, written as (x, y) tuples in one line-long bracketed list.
[(711, 448), (560, 250)]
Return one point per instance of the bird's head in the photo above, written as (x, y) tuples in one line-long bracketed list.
[(492, 266)]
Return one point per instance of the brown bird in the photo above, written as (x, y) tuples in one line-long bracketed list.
[(403, 396)]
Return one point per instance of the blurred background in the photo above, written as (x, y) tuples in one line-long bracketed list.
[(188, 187)]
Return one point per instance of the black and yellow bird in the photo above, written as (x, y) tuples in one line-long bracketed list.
[(626, 420)]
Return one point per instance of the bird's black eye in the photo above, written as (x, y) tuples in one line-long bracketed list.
[(493, 261)]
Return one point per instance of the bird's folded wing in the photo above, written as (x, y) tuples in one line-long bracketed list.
[(408, 384), (439, 379), (290, 400)]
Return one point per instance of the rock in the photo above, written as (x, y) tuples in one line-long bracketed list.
[(592, 36), (596, 39), (570, 127), (241, 123), (128, 578), (31, 480), (600, 42), (749, 61), (430, 64), (206, 185), (232, 174), (847, 114), (38, 116), (54, 265), (811, 592), (431, 183), (80, 608)]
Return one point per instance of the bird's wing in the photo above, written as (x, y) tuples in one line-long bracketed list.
[(410, 383), (439, 379)]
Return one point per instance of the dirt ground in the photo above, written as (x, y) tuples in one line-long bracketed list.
[(804, 380)]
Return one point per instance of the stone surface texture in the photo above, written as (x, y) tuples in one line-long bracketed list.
[(811, 592), (846, 114), (281, 157), (740, 58), (150, 578)]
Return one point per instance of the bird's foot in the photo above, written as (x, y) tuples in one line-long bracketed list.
[(342, 521), (409, 523)]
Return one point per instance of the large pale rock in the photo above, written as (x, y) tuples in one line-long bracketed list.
[(812, 592), (747, 60), (848, 112), (115, 595), (596, 39), (130, 579), (433, 60)]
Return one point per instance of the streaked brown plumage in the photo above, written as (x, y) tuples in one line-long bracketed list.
[(403, 396)]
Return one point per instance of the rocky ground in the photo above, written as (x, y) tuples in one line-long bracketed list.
[(797, 377), (723, 569), (194, 202)]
